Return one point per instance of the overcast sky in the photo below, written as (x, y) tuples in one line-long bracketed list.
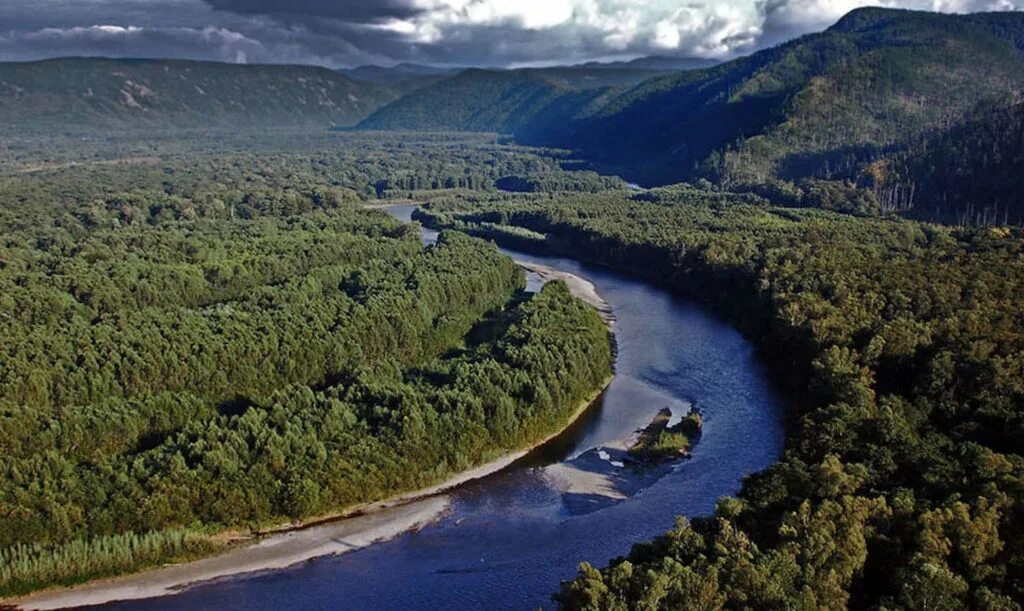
[(344, 33)]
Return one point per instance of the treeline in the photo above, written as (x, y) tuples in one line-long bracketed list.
[(548, 182), (902, 482)]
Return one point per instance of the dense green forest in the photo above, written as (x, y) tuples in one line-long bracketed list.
[(206, 342), (902, 483), (221, 174)]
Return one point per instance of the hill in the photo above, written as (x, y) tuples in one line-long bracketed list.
[(817, 106), (400, 78), (82, 94)]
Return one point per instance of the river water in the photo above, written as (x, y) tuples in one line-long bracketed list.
[(510, 538)]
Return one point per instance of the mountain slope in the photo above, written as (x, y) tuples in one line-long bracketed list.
[(528, 100), (80, 94), (400, 78), (503, 101), (817, 106), (969, 174)]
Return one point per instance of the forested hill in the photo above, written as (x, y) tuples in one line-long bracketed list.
[(400, 78), (817, 106), (80, 94)]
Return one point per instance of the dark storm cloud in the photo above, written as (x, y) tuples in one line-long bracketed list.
[(340, 33), (352, 11)]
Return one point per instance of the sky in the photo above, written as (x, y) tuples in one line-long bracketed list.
[(347, 33)]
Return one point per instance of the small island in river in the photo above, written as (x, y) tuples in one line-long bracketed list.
[(607, 475), (661, 440)]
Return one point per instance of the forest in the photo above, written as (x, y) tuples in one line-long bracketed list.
[(233, 342), (902, 481)]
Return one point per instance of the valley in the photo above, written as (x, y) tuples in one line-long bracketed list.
[(668, 331)]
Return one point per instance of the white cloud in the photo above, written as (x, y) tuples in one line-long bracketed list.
[(971, 6), (119, 41)]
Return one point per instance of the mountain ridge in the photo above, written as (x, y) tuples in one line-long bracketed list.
[(822, 105), (70, 93)]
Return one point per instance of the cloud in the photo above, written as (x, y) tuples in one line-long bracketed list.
[(355, 11), (340, 33), (119, 41), (973, 6)]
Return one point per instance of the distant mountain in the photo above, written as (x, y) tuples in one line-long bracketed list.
[(657, 63), (406, 77), (529, 99), (84, 94), (822, 105), (402, 78), (386, 75)]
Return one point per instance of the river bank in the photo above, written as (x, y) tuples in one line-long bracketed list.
[(580, 288)]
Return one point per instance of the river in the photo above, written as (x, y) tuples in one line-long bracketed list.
[(509, 539)]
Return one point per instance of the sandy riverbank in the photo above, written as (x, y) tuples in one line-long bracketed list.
[(581, 288), (274, 552)]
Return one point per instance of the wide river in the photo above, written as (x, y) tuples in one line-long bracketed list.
[(510, 538)]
